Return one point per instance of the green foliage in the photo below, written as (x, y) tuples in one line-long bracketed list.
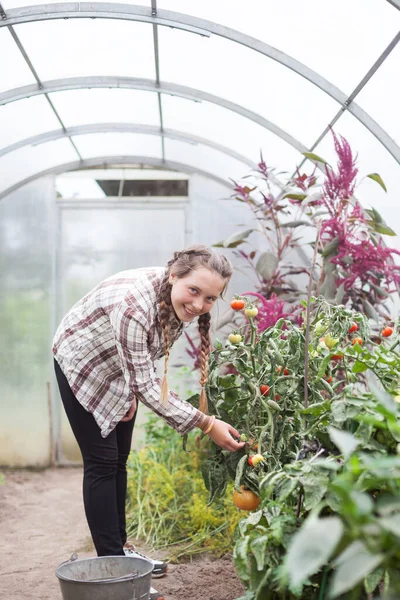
[(331, 463), (167, 499)]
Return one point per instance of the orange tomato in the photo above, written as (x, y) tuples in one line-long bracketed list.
[(237, 304), (245, 499), (357, 340), (387, 332)]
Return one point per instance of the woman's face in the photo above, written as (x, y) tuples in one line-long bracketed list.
[(196, 293)]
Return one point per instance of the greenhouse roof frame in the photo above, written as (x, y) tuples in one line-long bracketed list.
[(10, 18), (109, 161)]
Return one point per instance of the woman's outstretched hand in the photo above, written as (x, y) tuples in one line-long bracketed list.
[(223, 435)]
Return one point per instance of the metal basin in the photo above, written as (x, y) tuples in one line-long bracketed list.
[(105, 578)]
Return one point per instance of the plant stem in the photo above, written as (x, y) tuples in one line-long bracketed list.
[(252, 340), (308, 315), (299, 504), (323, 585)]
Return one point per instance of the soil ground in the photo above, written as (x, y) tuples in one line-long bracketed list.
[(42, 523)]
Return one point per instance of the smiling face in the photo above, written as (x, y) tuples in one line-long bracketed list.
[(195, 294)]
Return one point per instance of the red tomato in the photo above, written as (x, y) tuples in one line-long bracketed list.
[(328, 379), (387, 332), (264, 389), (237, 304), (336, 357), (353, 328), (357, 340), (285, 370), (277, 397)]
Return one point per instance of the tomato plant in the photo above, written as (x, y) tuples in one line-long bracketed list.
[(325, 391)]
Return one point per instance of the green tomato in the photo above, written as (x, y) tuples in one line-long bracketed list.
[(320, 328), (243, 437), (330, 342), (235, 338), (251, 312)]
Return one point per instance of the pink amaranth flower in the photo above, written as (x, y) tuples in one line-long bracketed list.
[(340, 184), (270, 311)]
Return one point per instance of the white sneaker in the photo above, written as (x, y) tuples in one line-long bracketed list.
[(160, 567)]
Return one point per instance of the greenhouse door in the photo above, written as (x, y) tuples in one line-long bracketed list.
[(97, 238)]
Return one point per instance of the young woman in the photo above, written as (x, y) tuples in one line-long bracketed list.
[(104, 351)]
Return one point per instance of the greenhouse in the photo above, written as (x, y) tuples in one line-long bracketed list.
[(270, 133)]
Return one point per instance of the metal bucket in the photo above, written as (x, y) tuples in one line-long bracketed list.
[(105, 578)]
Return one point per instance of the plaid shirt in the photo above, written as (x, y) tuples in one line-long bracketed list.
[(107, 344)]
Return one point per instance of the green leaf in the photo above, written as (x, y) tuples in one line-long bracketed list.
[(355, 563), (372, 580), (296, 224), (239, 471), (376, 177), (375, 216), (363, 502), (315, 487), (331, 247), (359, 367), (315, 157), (237, 238), (370, 310), (346, 442), (386, 505), (241, 559), (266, 265), (258, 546), (391, 524), (311, 547), (218, 344), (285, 488), (339, 294), (296, 196), (384, 230)]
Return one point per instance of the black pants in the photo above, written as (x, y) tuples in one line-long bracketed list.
[(104, 474)]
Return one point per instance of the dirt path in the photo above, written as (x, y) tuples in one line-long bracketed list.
[(42, 523)]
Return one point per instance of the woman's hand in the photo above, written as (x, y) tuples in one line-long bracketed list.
[(131, 411), (222, 433)]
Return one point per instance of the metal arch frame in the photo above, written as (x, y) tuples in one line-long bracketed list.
[(136, 83), (56, 134), (203, 27), (395, 3), (108, 161)]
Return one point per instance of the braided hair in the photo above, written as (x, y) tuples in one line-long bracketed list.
[(181, 265)]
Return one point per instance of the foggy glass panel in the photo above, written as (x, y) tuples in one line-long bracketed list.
[(25, 323)]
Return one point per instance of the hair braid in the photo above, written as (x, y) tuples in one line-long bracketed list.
[(205, 346), (165, 312)]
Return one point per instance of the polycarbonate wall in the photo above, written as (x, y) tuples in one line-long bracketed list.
[(26, 308)]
